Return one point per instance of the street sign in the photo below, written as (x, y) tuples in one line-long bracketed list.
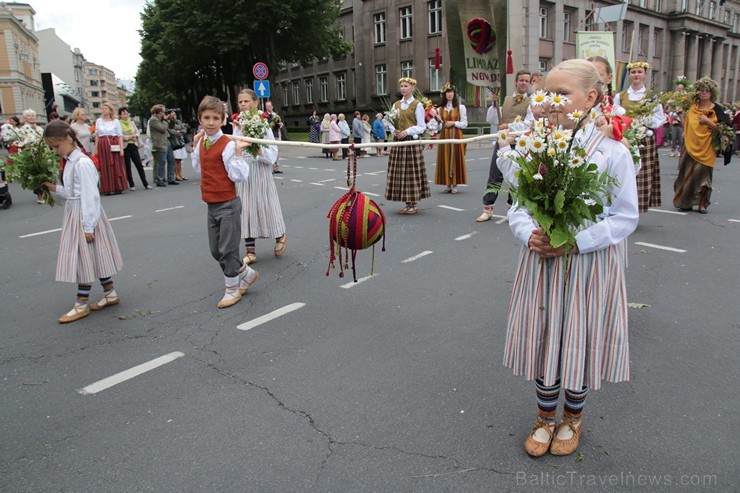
[(262, 88), (260, 71)]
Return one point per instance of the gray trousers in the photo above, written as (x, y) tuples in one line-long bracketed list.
[(224, 234)]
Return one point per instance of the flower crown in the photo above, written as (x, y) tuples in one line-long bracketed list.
[(644, 65), (683, 80), (447, 87), (409, 80)]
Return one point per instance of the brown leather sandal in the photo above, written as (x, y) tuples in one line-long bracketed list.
[(567, 447), (280, 245), (532, 446)]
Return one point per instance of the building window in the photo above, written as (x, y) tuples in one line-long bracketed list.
[(285, 94), (296, 92), (643, 4), (726, 18), (406, 22), (642, 39), (435, 76), (566, 26), (435, 16), (699, 6), (542, 66), (93, 83), (407, 69), (379, 20), (324, 89), (309, 91), (381, 80), (712, 9), (626, 36), (589, 24), (543, 22), (341, 86), (95, 94), (736, 23), (96, 105), (658, 6), (684, 5)]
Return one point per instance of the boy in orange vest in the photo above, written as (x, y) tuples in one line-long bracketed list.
[(220, 162)]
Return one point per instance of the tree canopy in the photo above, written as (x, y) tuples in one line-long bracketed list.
[(191, 48)]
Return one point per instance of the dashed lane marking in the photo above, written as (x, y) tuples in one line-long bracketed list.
[(328, 180), (451, 208), (296, 181), (117, 218), (371, 194), (660, 247), (362, 279), (417, 257), (270, 316), (501, 220), (668, 212), (465, 237), (342, 188), (170, 208), (41, 233), (109, 382), (729, 220)]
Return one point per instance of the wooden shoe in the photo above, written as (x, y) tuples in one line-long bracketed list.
[(280, 244), (250, 258), (77, 312), (231, 297), (108, 300), (567, 436), (536, 448), (246, 280)]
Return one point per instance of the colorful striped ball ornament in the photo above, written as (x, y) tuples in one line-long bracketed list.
[(355, 223)]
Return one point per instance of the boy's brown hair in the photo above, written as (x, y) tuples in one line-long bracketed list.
[(211, 103)]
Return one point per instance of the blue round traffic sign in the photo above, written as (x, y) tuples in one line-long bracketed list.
[(260, 71)]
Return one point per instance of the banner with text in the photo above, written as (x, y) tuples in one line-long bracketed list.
[(482, 65), (596, 43)]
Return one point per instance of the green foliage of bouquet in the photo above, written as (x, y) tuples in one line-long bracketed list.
[(556, 183), (723, 139), (682, 100), (253, 124), (643, 108), (34, 163)]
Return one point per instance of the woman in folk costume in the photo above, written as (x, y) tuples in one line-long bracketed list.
[(407, 174), (109, 147), (648, 178), (87, 248), (567, 323), (262, 216), (450, 170)]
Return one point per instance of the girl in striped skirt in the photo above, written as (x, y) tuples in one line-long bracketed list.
[(88, 248), (261, 216), (407, 174), (567, 323)]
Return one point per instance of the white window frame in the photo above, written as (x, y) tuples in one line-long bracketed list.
[(341, 83), (566, 27), (643, 4), (284, 86), (699, 7), (434, 8), (684, 5), (324, 89), (658, 6), (381, 80), (296, 92), (626, 35), (405, 15), (309, 91), (542, 66), (435, 76), (379, 28), (726, 17), (712, 9), (589, 24), (543, 22), (407, 69)]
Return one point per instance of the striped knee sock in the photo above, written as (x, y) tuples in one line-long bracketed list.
[(574, 401), (249, 242), (547, 396), (83, 292), (107, 284)]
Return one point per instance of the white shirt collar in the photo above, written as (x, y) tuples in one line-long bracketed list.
[(213, 138), (638, 91)]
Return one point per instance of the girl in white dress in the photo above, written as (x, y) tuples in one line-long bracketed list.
[(87, 248)]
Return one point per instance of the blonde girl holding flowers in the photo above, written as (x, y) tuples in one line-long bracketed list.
[(87, 248), (567, 327)]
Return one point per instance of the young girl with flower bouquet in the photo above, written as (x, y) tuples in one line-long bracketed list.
[(567, 326), (262, 216), (88, 247)]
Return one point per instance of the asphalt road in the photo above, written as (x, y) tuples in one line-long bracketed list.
[(393, 384)]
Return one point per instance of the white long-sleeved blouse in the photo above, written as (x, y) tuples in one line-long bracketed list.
[(236, 167), (81, 180), (618, 220), (657, 119), (110, 128)]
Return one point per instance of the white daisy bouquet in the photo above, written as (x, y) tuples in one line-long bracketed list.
[(34, 163), (556, 182), (253, 124)]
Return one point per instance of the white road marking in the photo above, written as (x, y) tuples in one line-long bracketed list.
[(300, 157), (298, 167), (342, 188), (371, 194), (730, 220), (501, 221), (329, 169), (129, 374), (465, 237), (330, 179), (451, 208), (668, 212), (362, 279), (296, 181), (313, 169), (660, 247), (170, 208), (117, 218), (484, 159), (319, 184), (41, 233), (270, 316), (417, 257)]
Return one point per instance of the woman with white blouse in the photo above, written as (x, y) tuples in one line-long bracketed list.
[(109, 147), (81, 128)]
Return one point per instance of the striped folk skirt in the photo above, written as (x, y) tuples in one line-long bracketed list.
[(450, 168), (82, 262), (568, 319), (407, 174), (694, 180), (648, 177), (112, 170), (261, 215)]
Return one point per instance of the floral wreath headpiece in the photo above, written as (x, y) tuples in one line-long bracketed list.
[(644, 65), (684, 81), (447, 87), (409, 80)]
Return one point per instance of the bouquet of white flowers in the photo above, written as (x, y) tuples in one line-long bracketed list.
[(34, 163), (253, 124)]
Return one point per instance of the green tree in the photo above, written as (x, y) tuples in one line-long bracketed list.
[(191, 48)]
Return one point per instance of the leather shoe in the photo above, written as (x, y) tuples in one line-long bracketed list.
[(173, 182)]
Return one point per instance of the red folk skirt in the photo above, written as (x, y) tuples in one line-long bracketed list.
[(112, 171)]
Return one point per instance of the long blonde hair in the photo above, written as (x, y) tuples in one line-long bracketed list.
[(585, 75)]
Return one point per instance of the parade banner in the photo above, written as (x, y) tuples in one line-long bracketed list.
[(482, 62), (596, 43)]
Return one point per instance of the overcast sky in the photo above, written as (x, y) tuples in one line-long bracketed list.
[(106, 31)]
